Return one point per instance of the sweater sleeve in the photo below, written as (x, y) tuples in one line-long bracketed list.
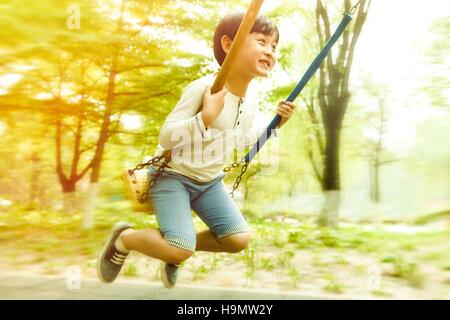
[(185, 118)]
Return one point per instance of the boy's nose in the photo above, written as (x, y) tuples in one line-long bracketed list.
[(269, 54)]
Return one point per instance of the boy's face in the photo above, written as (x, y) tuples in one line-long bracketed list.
[(257, 56)]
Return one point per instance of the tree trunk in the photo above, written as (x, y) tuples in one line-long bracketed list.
[(375, 190), (69, 181), (34, 180), (333, 97), (104, 134), (100, 149), (376, 183), (88, 215), (70, 202), (330, 210), (331, 179)]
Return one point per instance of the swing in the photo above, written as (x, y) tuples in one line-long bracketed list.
[(137, 180)]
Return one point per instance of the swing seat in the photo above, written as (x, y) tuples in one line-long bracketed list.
[(136, 183)]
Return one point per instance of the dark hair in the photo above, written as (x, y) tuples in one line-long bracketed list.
[(229, 26)]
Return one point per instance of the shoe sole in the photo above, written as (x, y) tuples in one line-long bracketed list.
[(164, 278), (103, 252)]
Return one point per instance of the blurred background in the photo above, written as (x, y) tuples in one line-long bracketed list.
[(359, 203)]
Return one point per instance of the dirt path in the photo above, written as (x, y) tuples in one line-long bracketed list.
[(20, 286)]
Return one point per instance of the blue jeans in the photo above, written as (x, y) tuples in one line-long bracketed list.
[(174, 196)]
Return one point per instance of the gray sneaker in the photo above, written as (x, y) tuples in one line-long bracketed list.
[(111, 260), (169, 273)]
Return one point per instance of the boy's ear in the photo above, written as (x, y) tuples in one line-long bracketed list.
[(226, 43)]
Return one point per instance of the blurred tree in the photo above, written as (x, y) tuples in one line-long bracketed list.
[(333, 98), (87, 78), (372, 121), (327, 94), (438, 83), (128, 54), (375, 149)]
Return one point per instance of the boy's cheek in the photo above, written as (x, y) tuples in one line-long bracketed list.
[(274, 64)]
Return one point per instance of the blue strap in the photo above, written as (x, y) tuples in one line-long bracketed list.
[(301, 84)]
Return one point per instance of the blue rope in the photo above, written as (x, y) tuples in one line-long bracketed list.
[(301, 84)]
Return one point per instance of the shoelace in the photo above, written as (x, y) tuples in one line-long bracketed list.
[(118, 258)]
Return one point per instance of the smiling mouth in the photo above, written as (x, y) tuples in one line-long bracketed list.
[(265, 64)]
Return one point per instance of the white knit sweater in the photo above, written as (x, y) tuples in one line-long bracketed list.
[(202, 153)]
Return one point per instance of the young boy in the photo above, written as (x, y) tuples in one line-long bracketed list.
[(194, 178)]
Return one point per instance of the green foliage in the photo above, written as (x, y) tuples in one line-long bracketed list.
[(200, 273), (336, 239), (294, 276), (432, 217), (294, 237), (409, 271), (267, 264), (130, 269), (285, 258), (332, 284), (249, 258)]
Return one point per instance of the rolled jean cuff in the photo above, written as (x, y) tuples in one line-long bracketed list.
[(180, 243), (234, 229)]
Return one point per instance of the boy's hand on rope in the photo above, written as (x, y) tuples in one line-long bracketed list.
[(212, 105), (285, 111)]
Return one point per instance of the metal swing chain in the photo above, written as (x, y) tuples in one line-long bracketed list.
[(142, 165), (144, 196), (239, 177)]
